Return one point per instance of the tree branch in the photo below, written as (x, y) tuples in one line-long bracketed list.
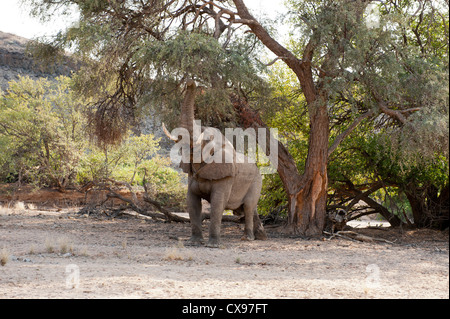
[(170, 216), (392, 113), (273, 61), (133, 206), (344, 134), (301, 70)]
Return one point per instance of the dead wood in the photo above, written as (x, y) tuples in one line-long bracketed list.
[(353, 236), (332, 235), (134, 207), (171, 217), (134, 204)]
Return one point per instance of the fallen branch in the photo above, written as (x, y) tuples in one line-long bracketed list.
[(171, 217), (338, 235), (133, 206), (353, 236)]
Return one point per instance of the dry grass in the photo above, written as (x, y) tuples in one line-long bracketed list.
[(12, 208), (177, 253), (65, 245), (50, 245), (60, 245), (19, 206)]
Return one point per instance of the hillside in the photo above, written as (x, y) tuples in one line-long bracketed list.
[(15, 61)]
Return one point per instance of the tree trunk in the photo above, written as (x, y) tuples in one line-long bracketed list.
[(306, 193), (417, 209), (428, 208), (308, 202)]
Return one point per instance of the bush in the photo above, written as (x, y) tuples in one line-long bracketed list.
[(43, 141), (41, 132)]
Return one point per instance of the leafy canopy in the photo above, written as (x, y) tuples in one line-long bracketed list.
[(137, 54)]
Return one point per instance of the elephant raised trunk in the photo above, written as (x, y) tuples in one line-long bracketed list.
[(187, 108)]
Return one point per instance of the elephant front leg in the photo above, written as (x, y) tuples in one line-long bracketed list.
[(248, 230), (217, 208), (194, 204)]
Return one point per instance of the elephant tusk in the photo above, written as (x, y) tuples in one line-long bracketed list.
[(200, 139), (170, 136)]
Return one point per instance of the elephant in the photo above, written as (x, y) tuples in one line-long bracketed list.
[(233, 184)]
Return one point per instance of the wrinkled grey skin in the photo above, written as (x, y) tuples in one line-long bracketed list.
[(235, 186)]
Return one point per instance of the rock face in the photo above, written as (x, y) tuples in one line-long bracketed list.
[(15, 61)]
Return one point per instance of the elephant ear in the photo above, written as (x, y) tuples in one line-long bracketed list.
[(214, 171), (218, 165), (186, 167)]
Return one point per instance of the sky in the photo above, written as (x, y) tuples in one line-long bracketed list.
[(14, 18)]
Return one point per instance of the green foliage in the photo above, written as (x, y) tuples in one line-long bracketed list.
[(134, 61), (119, 162), (163, 182), (41, 131), (135, 162), (389, 163), (400, 63), (43, 141), (367, 159), (199, 56)]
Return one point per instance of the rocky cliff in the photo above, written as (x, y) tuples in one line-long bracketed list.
[(15, 61)]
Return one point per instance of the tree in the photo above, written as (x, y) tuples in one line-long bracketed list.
[(41, 131), (341, 63), (410, 190), (352, 100), (345, 64)]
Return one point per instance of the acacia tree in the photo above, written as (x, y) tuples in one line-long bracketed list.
[(386, 61), (146, 49)]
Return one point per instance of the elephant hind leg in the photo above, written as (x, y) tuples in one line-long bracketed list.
[(254, 230), (258, 227), (218, 200), (253, 225)]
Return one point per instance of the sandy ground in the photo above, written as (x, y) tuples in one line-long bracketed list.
[(62, 254)]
